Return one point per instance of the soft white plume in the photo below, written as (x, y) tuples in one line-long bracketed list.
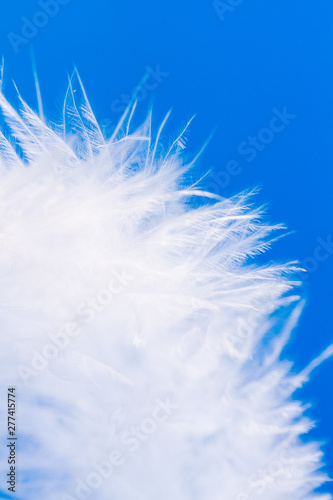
[(142, 337)]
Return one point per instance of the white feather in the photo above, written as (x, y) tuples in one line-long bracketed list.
[(141, 297)]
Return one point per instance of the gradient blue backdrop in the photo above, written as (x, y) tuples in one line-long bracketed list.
[(231, 70)]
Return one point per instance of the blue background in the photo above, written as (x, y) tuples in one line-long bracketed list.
[(231, 72)]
